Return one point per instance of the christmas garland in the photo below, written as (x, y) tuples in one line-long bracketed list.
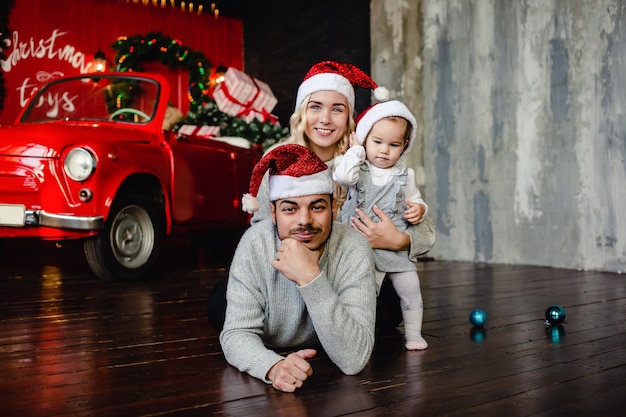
[(257, 132), (5, 35), (131, 52), (203, 111)]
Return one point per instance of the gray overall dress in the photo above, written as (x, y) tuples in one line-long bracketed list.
[(390, 198)]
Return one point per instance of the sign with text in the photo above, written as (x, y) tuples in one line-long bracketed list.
[(60, 37)]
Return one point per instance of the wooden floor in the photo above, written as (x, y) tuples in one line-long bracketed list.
[(72, 345)]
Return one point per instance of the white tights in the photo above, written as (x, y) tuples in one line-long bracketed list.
[(407, 285)]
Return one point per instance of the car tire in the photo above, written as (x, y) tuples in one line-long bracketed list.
[(128, 247)]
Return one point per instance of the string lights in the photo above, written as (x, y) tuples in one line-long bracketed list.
[(132, 51), (197, 6)]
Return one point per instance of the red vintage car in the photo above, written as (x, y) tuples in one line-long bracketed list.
[(89, 158)]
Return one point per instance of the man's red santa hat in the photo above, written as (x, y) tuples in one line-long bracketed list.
[(339, 77), (294, 171)]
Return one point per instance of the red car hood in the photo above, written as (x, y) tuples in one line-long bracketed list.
[(49, 139)]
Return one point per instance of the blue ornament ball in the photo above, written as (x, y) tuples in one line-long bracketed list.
[(478, 317), (555, 314)]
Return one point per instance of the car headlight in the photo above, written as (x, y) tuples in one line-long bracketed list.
[(79, 164)]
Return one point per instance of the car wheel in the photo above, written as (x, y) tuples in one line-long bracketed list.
[(128, 247)]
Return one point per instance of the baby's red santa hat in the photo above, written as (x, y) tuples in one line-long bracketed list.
[(339, 77), (294, 171), (366, 120)]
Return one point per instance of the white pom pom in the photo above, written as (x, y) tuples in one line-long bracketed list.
[(249, 204), (381, 94)]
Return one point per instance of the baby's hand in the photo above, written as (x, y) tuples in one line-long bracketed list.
[(353, 140), (414, 213)]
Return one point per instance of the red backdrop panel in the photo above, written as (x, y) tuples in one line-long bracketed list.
[(59, 37)]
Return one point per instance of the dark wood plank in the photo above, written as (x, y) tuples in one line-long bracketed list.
[(74, 345)]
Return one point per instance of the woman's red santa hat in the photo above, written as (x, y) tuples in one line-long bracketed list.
[(339, 77), (366, 120), (294, 171)]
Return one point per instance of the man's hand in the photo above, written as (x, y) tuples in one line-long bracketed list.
[(383, 235), (297, 262), (414, 213), (290, 373)]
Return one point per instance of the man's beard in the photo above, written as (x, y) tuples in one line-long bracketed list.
[(309, 228)]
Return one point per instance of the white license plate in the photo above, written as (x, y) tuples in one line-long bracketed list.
[(12, 214)]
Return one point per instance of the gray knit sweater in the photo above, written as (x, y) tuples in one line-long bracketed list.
[(267, 312)]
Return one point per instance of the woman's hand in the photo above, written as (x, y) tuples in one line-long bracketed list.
[(382, 235)]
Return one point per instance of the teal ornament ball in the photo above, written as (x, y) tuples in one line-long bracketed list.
[(478, 317), (555, 314)]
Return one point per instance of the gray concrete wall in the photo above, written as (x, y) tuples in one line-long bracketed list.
[(524, 128)]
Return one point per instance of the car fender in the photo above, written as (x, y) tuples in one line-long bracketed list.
[(150, 173)]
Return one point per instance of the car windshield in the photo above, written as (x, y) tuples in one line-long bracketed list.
[(105, 97)]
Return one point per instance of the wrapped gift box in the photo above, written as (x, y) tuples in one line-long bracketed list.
[(200, 131), (241, 95), (208, 131)]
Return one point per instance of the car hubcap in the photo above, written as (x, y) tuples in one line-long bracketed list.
[(132, 237)]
